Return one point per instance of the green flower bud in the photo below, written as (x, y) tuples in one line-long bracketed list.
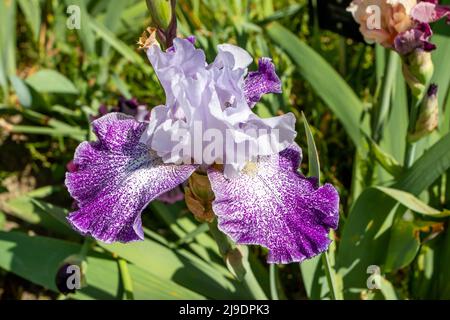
[(418, 69), (428, 118), (199, 197), (234, 260), (161, 12)]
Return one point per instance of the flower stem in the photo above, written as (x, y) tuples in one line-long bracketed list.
[(329, 272), (447, 189), (273, 282), (410, 154), (126, 279), (236, 259), (87, 245), (410, 151), (221, 239), (383, 110), (252, 284)]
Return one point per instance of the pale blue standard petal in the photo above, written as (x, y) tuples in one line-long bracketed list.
[(272, 205), (205, 100), (115, 178)]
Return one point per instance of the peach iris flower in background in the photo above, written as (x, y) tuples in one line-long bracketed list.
[(394, 19)]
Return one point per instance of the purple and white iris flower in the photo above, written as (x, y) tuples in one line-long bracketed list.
[(260, 196)]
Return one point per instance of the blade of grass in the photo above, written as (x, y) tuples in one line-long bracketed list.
[(427, 168), (32, 12), (47, 80), (23, 255), (85, 32), (388, 84), (327, 83), (126, 279), (273, 282), (314, 170), (413, 203), (119, 45), (54, 132), (193, 234), (313, 157), (329, 272), (7, 44)]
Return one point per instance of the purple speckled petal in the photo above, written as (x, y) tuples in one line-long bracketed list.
[(272, 205), (260, 82), (115, 178)]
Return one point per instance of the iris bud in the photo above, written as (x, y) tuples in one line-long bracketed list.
[(418, 69), (161, 12), (164, 20), (428, 118), (199, 197), (235, 261)]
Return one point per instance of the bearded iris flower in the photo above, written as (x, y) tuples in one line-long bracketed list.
[(260, 197), (403, 24), (418, 37), (428, 11)]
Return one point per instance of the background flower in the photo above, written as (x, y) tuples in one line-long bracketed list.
[(394, 19)]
